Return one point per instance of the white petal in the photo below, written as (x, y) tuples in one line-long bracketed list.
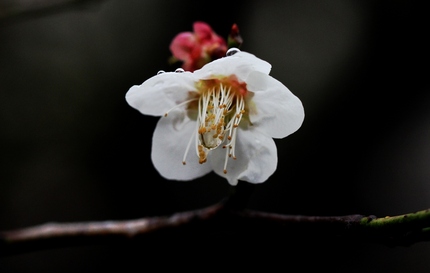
[(169, 143), (274, 109), (239, 64), (160, 93), (256, 158)]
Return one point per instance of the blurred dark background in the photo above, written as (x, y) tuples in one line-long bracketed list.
[(71, 149)]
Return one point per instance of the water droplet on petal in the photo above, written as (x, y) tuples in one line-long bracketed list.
[(232, 51), (179, 70), (160, 72)]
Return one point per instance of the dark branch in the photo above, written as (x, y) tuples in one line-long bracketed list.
[(399, 230), (52, 235)]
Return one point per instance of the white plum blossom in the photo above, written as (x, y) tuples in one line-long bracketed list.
[(222, 118)]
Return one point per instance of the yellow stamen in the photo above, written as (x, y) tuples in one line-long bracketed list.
[(221, 107)]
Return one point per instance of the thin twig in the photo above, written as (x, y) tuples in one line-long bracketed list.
[(401, 230), (52, 235)]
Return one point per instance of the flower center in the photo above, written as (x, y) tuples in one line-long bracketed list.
[(220, 109)]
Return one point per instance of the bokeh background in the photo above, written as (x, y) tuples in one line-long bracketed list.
[(71, 149)]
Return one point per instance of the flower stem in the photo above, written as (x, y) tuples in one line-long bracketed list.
[(239, 195)]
